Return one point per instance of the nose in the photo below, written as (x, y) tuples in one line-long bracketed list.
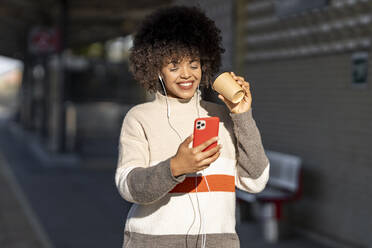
[(185, 73)]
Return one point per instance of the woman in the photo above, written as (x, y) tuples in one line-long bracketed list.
[(184, 197)]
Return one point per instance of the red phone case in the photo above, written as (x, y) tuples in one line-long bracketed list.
[(205, 129)]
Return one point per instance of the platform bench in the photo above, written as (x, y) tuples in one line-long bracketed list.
[(284, 185)]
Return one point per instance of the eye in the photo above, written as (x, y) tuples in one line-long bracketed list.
[(173, 69), (194, 66)]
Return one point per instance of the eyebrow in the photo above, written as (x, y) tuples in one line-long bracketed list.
[(177, 62)]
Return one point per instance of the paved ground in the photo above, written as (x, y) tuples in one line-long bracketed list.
[(16, 227), (77, 205)]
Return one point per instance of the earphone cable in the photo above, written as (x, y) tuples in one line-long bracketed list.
[(202, 225)]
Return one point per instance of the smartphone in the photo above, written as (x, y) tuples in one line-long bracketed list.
[(205, 129)]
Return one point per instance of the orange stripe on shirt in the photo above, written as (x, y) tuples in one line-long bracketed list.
[(223, 183)]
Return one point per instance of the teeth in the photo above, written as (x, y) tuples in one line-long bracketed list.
[(186, 84)]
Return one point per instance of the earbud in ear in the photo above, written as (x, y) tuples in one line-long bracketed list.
[(160, 78)]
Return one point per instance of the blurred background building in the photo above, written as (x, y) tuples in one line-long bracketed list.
[(66, 83)]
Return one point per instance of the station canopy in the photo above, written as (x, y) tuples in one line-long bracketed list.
[(36, 24)]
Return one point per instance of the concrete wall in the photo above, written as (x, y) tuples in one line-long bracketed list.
[(304, 104), (307, 107)]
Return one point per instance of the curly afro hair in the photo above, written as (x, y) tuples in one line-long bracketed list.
[(172, 34)]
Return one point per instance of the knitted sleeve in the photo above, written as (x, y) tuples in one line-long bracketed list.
[(136, 181), (252, 171)]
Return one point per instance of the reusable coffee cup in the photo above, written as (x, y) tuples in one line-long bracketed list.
[(228, 87)]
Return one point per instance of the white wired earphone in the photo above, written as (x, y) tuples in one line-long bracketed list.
[(204, 235)]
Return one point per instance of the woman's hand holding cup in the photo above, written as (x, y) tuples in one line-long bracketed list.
[(238, 100)]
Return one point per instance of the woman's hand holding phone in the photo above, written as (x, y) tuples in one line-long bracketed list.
[(190, 160)]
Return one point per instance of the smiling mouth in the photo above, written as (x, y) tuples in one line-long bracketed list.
[(185, 84)]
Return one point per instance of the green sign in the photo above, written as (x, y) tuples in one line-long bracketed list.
[(359, 69)]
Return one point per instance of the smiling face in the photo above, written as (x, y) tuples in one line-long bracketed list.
[(182, 78)]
